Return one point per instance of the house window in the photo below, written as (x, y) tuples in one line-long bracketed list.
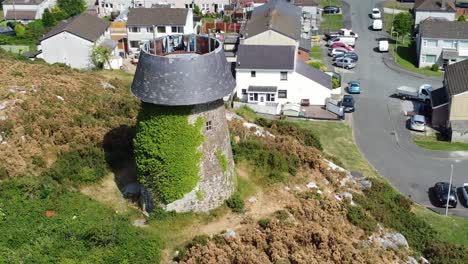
[(150, 29), (177, 29), (134, 29), (253, 97), (432, 43), (282, 94), (253, 74), (161, 29), (244, 91), (208, 126), (284, 76), (429, 59), (134, 44), (205, 6), (270, 97), (449, 44)]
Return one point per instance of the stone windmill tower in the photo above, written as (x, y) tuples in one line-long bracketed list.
[(184, 77)]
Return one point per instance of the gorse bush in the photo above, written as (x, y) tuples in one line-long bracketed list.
[(166, 151), (236, 203), (358, 217)]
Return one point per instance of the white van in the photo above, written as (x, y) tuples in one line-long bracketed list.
[(351, 41), (377, 25), (383, 46)]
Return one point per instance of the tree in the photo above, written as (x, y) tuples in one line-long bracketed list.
[(20, 30), (100, 56), (403, 23), (461, 18), (34, 30), (48, 20), (72, 7), (58, 13)]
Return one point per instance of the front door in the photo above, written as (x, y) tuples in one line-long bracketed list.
[(261, 98)]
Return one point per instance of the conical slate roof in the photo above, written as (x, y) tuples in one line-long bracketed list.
[(183, 77)]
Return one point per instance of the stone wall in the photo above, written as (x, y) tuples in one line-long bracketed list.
[(215, 184)]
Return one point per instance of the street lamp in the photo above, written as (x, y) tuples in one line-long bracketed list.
[(396, 44), (450, 188)]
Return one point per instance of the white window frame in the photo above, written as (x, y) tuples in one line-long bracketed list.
[(427, 41), (150, 29), (134, 29), (281, 92), (284, 76), (452, 45), (425, 58), (270, 97)]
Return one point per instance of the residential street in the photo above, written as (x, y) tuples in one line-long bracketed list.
[(379, 124)]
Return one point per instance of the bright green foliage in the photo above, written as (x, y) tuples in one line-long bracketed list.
[(48, 19), (72, 7), (200, 194), (264, 222), (236, 203), (20, 30), (100, 56), (166, 151), (403, 23), (358, 217), (82, 231), (461, 18), (335, 82), (222, 159)]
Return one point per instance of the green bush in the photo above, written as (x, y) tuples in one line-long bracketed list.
[(236, 203), (264, 222), (335, 82), (359, 218), (443, 253), (79, 165), (435, 67), (461, 18), (166, 151), (282, 215), (315, 64), (221, 159)]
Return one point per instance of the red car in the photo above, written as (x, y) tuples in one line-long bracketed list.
[(341, 45)]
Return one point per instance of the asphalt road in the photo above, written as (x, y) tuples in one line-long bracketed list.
[(379, 125)]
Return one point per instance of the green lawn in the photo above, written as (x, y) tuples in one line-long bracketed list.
[(396, 5), (330, 2), (337, 140), (332, 22), (316, 52), (431, 143), (454, 229)]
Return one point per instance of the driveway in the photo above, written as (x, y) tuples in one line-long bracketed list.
[(379, 124)]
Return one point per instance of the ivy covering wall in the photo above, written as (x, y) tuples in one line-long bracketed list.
[(166, 151)]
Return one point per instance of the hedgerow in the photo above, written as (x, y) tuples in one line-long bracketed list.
[(166, 151)]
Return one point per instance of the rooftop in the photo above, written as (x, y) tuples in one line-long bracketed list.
[(456, 78), (22, 2), (430, 28), (434, 5), (157, 16), (265, 57), (313, 74), (438, 97), (84, 25), (20, 15), (182, 70)]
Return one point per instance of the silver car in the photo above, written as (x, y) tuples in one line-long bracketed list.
[(418, 123), (345, 62)]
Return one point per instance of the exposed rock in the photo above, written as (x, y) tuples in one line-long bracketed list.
[(423, 260), (312, 185), (347, 196), (3, 117), (140, 222), (60, 98), (333, 166), (107, 85), (365, 184), (231, 116), (392, 241), (230, 233), (411, 260), (3, 105), (252, 199)]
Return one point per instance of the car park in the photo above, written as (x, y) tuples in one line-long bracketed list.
[(353, 55), (377, 24), (331, 10), (463, 194), (354, 87), (341, 45), (342, 32), (334, 52), (441, 192), (348, 103), (346, 63), (376, 13), (418, 123)]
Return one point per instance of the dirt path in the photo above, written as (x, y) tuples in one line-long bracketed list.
[(107, 193)]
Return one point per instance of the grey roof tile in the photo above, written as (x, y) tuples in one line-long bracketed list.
[(157, 16), (265, 57), (86, 26), (22, 2), (456, 78), (313, 74), (434, 5), (431, 28), (262, 89)]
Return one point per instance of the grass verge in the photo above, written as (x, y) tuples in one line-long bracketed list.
[(397, 5), (330, 3), (332, 22), (316, 53), (431, 143)]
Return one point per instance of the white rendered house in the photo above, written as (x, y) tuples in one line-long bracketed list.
[(71, 42), (25, 10)]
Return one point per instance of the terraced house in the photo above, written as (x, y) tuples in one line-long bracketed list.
[(25, 10), (441, 42)]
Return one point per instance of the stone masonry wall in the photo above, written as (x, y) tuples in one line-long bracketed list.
[(215, 185)]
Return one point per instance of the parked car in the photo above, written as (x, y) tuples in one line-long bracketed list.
[(347, 40), (383, 46), (376, 13), (421, 94), (346, 63), (441, 191), (348, 103), (418, 123), (342, 32), (334, 52), (341, 45), (353, 55), (354, 87), (331, 10), (463, 192), (377, 24)]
